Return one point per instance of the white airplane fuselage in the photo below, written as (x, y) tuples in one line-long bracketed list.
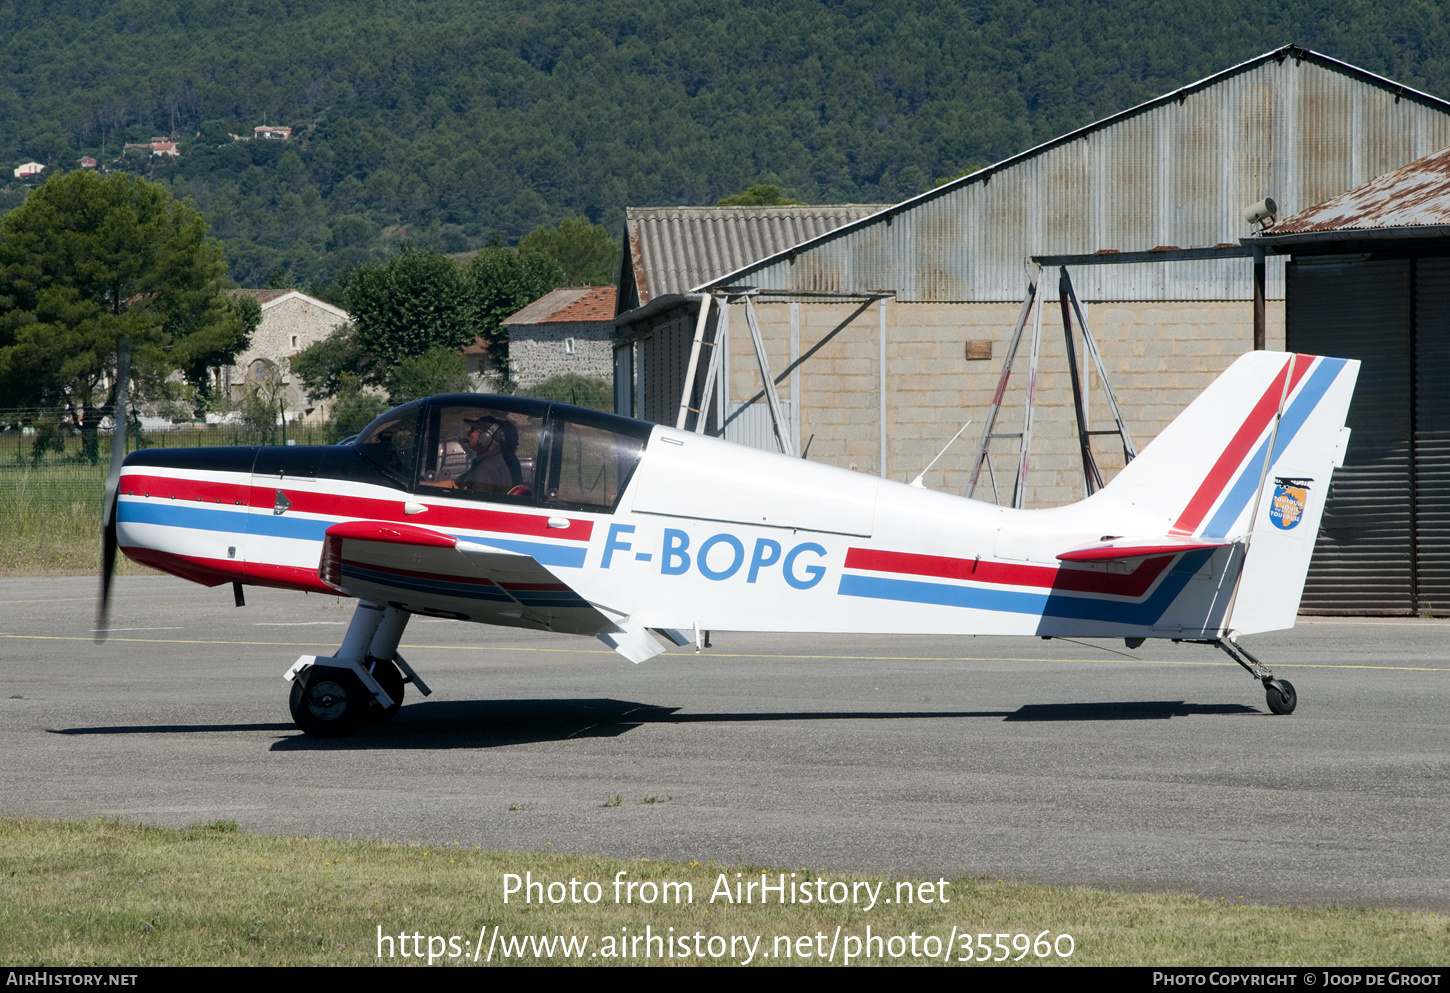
[(705, 535)]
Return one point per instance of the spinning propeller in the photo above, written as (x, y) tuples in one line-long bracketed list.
[(113, 482)]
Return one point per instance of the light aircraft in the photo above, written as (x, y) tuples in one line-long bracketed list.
[(504, 510)]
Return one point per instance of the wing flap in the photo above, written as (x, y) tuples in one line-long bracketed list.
[(430, 572)]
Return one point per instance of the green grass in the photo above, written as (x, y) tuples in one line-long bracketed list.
[(107, 893), (51, 518)]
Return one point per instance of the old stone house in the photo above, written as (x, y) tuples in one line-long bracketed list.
[(291, 321), (568, 330)]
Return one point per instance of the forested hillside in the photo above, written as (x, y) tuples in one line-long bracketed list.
[(457, 123)]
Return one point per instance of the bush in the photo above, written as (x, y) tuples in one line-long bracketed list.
[(582, 391), (352, 412), (438, 370)]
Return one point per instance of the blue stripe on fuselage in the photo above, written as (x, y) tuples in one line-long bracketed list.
[(183, 515), (1041, 604)]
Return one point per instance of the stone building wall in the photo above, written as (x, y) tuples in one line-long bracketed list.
[(541, 351), (290, 323)]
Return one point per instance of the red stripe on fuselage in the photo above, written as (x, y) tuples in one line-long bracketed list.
[(214, 572), (1223, 470), (206, 492), (1133, 584)]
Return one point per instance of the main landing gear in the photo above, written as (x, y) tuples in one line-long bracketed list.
[(362, 684), (1279, 692)]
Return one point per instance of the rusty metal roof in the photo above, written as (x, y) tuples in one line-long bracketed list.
[(1414, 195), (672, 249)]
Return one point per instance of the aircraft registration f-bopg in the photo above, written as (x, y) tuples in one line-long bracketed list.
[(505, 510)]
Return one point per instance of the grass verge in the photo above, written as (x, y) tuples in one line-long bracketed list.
[(107, 893), (51, 520)]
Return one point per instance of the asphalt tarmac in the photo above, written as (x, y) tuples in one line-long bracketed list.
[(1156, 769)]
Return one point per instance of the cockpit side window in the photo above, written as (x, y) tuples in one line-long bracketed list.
[(481, 452), (391, 444), (590, 461)]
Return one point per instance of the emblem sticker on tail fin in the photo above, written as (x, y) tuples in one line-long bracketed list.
[(1290, 496)]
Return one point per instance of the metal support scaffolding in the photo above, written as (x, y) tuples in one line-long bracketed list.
[(1032, 305), (694, 363), (714, 387), (782, 430)]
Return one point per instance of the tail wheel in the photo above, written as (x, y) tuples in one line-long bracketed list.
[(1281, 696), (328, 702), (391, 680)]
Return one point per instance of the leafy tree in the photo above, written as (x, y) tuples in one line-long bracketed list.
[(263, 403), (502, 281), (438, 370), (763, 195), (88, 260), (413, 302), (328, 367), (585, 251), (354, 410), (475, 119)]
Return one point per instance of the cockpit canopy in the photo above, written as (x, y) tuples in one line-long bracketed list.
[(510, 450)]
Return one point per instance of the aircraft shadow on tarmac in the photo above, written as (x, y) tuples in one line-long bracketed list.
[(494, 723)]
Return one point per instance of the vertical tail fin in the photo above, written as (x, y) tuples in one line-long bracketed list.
[(1250, 461)]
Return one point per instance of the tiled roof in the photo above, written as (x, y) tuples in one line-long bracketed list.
[(270, 297), (568, 304), (261, 296)]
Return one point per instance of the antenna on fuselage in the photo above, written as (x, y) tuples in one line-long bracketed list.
[(917, 482)]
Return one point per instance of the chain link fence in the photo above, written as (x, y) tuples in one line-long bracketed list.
[(48, 464)]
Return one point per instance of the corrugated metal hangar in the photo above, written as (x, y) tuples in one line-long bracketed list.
[(884, 330), (1369, 278)]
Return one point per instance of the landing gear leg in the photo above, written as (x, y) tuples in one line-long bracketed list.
[(331, 695), (382, 649), (1278, 692)]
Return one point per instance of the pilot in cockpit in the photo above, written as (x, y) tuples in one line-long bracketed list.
[(492, 442)]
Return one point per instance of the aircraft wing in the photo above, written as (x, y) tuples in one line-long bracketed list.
[(1121, 549), (430, 572)]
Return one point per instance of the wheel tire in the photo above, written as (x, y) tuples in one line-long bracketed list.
[(328, 702), (391, 680), (1281, 696)]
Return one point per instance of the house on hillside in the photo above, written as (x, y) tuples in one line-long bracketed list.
[(887, 332), (163, 147), (291, 321), (271, 132), (568, 330), (29, 170)]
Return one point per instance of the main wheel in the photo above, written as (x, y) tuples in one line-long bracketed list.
[(1281, 696), (391, 680), (328, 702)]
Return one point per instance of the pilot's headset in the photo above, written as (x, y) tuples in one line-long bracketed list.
[(491, 432)]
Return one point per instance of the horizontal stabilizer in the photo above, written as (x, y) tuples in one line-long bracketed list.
[(1120, 549)]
